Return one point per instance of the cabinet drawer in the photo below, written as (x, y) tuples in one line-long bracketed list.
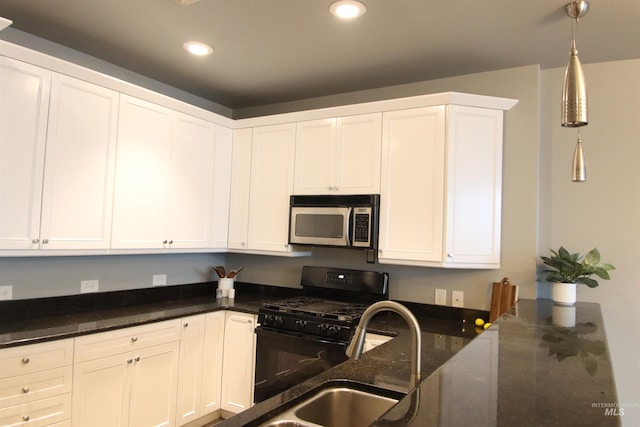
[(35, 357), (38, 385), (39, 413), (123, 340)]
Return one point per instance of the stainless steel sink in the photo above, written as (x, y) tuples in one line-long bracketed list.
[(339, 404)]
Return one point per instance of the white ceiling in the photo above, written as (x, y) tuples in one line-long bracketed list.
[(270, 51)]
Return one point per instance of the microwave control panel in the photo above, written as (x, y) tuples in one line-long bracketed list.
[(361, 227)]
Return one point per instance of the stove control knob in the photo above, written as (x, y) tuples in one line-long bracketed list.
[(268, 319), (322, 328), (332, 330), (278, 321), (300, 324)]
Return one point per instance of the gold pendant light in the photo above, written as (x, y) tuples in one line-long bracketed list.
[(574, 89), (574, 92), (578, 166)]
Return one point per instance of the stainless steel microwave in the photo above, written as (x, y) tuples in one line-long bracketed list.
[(349, 221)]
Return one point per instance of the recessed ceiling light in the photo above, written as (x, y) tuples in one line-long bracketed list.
[(347, 9), (197, 48)]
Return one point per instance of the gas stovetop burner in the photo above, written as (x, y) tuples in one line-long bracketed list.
[(317, 307)]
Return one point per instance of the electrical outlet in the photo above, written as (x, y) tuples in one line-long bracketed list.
[(457, 298), (441, 296), (88, 286), (159, 279), (6, 292)]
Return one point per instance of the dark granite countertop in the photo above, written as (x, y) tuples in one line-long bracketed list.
[(44, 319), (525, 370)]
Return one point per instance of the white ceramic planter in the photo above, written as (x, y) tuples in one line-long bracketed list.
[(564, 293)]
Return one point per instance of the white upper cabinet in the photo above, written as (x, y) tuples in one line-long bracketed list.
[(474, 187), (79, 166), (140, 212), (24, 99), (272, 155), (441, 187), (221, 187), (339, 155), (412, 191), (240, 186), (167, 179)]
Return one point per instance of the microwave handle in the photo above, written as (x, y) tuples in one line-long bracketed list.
[(350, 226)]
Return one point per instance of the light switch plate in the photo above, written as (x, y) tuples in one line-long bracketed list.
[(441, 297), (457, 298)]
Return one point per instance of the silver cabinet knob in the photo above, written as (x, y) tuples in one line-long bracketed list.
[(35, 240), (134, 339), (45, 241), (186, 324), (171, 242), (25, 389), (243, 243), (137, 359), (26, 418), (450, 255), (129, 361), (25, 360), (164, 242)]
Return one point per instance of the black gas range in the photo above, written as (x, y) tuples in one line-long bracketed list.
[(300, 337)]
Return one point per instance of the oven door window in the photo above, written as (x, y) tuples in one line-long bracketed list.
[(284, 360)]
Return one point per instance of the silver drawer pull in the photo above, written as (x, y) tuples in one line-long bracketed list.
[(25, 360), (25, 389)]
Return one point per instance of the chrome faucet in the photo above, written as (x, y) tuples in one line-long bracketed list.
[(354, 350)]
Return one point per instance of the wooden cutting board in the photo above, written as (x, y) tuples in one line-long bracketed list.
[(503, 296)]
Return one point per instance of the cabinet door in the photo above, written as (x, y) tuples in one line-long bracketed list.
[(79, 166), (412, 188), (359, 146), (240, 188), (190, 369), (315, 157), (238, 364), (142, 165), (154, 386), (474, 193), (191, 189), (221, 187), (212, 362), (271, 185), (24, 99), (101, 391)]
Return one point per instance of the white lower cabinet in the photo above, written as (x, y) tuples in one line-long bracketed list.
[(200, 373), (238, 362), (135, 388), (35, 384)]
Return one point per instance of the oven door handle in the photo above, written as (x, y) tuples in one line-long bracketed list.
[(262, 330)]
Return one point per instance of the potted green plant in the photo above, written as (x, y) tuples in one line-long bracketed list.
[(566, 269)]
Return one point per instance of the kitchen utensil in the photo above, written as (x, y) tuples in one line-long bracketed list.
[(221, 273), (234, 273)]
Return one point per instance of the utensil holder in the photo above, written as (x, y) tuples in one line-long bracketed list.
[(225, 284)]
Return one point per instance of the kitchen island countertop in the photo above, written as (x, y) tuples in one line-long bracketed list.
[(525, 370)]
